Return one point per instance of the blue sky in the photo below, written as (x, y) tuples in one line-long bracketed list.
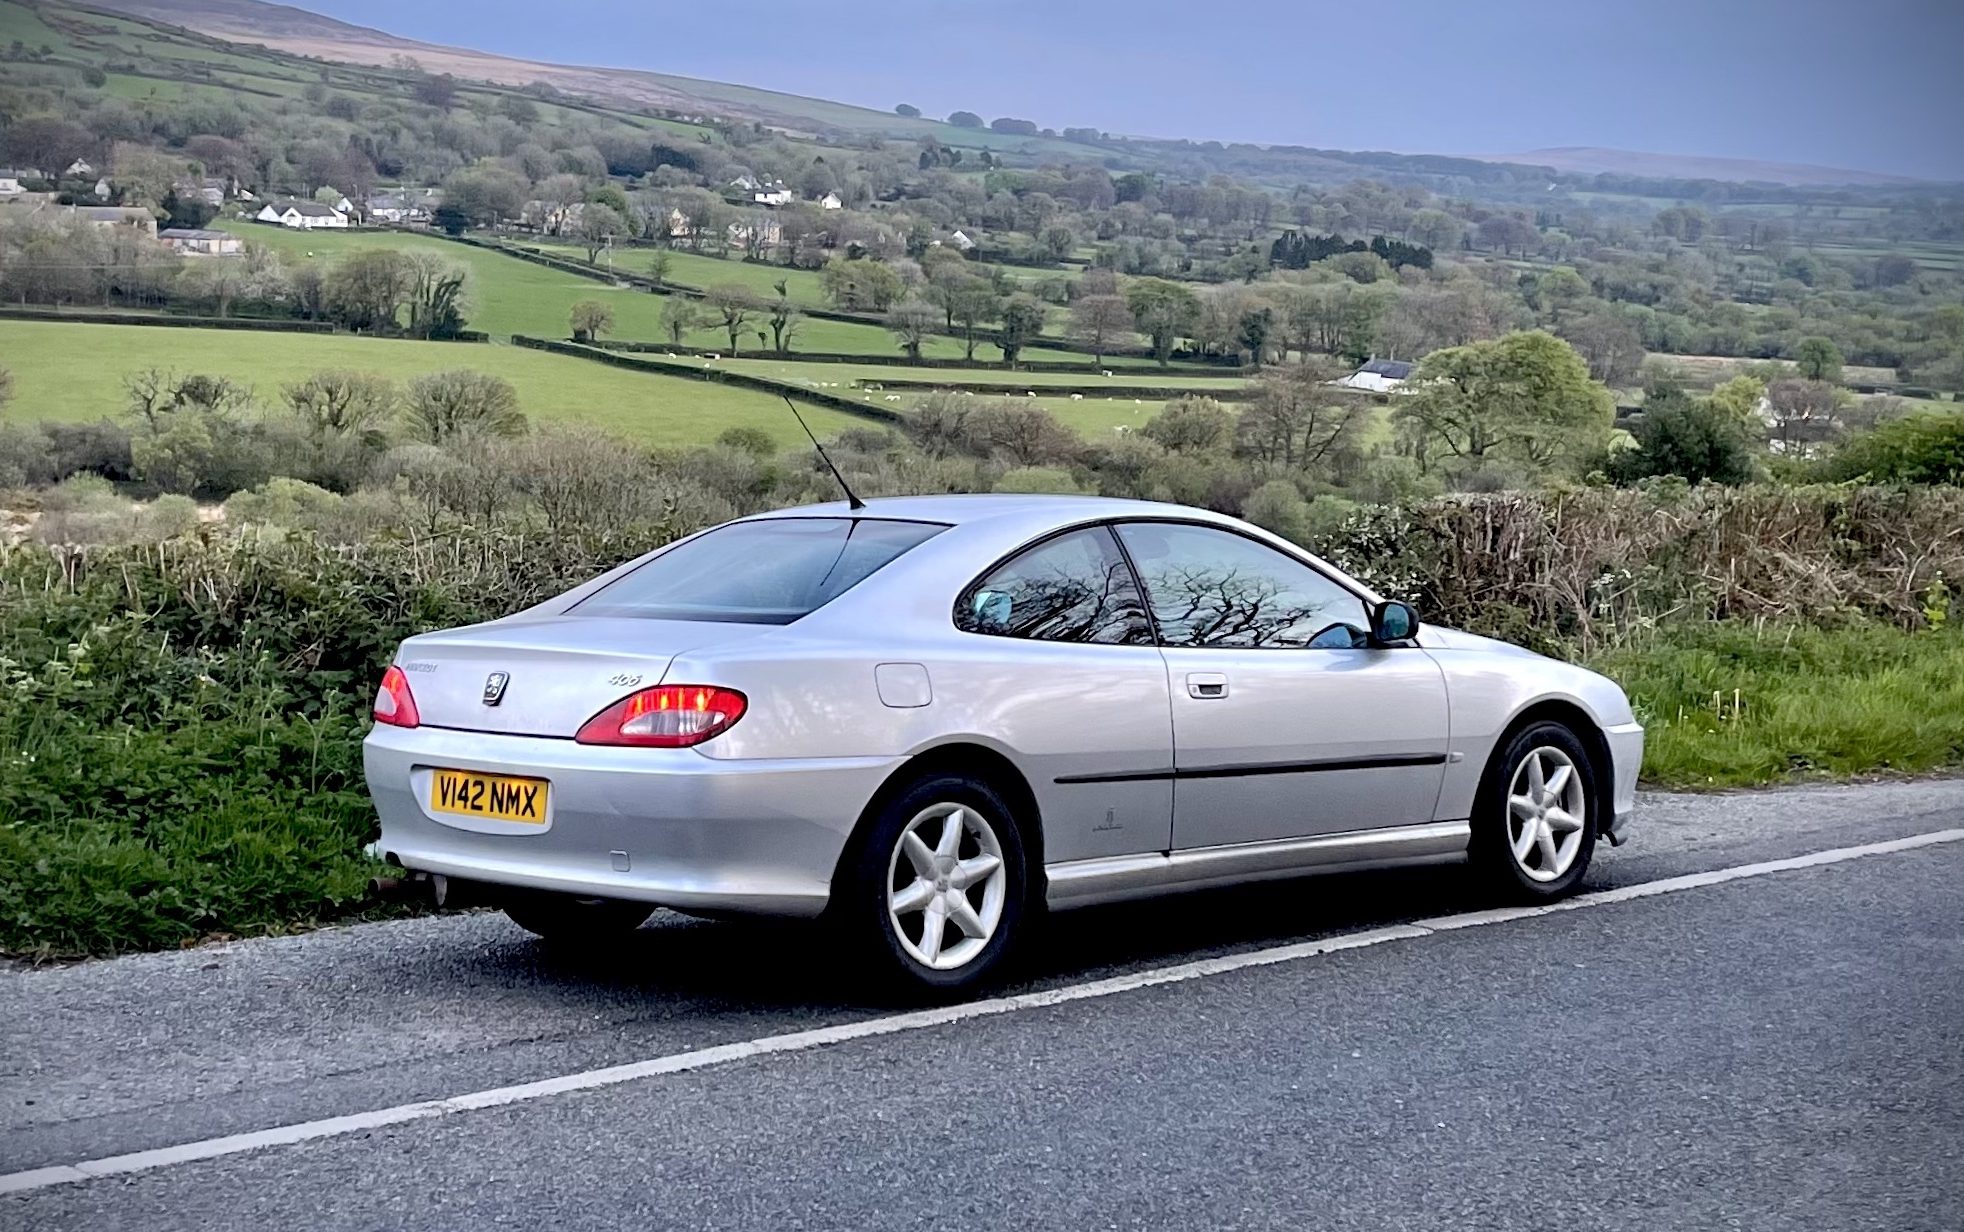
[(1876, 86)]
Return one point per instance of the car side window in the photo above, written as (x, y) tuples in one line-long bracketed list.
[(1073, 588), (1211, 587)]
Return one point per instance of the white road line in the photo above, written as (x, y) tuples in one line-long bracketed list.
[(799, 1041)]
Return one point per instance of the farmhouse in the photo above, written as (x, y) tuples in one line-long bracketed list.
[(399, 207), (198, 243), (831, 201), (1380, 376), (301, 215)]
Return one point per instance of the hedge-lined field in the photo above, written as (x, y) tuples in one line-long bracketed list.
[(70, 371)]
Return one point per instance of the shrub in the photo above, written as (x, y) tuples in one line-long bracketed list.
[(1278, 505), (291, 503), (1694, 440), (1038, 479), (1927, 447), (446, 405)]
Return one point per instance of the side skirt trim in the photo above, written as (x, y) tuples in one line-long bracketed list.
[(1082, 883)]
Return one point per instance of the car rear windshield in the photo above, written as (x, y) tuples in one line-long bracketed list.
[(767, 572)]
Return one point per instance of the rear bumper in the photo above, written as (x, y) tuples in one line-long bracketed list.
[(667, 826), (1626, 752)]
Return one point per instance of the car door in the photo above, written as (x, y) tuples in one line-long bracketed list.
[(1286, 724), (1063, 669)]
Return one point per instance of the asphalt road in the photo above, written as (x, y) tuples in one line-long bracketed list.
[(1785, 1050)]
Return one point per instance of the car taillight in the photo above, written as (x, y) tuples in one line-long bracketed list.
[(668, 716), (394, 704)]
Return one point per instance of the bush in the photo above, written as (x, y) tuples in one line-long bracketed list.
[(1038, 479), (1278, 505), (1927, 447), (1693, 440), (446, 405), (283, 502)]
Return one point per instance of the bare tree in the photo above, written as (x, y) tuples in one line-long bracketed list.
[(1100, 321), (731, 305)]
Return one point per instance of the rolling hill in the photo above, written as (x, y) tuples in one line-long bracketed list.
[(1594, 160)]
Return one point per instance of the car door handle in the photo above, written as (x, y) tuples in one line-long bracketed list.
[(1206, 685)]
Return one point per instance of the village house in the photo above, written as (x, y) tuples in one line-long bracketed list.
[(200, 243), (301, 215), (400, 207), (1380, 376), (831, 201), (114, 216)]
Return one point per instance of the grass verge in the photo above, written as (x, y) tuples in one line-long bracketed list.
[(1731, 705)]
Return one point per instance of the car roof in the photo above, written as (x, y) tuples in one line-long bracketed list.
[(961, 509)]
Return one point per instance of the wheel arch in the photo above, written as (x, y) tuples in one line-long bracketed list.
[(1573, 716), (965, 758)]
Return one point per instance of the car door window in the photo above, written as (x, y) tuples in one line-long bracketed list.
[(1073, 588), (1209, 587)]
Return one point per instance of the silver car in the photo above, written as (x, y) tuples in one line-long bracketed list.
[(930, 718)]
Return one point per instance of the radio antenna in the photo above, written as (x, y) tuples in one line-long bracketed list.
[(852, 502)]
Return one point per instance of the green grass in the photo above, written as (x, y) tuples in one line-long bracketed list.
[(1735, 706), (71, 371)]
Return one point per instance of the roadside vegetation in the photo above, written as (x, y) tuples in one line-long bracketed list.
[(1704, 436)]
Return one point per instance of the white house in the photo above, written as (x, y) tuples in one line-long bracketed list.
[(774, 196), (301, 215), (831, 201), (199, 243), (398, 207), (10, 186), (961, 241), (1380, 376), (78, 168)]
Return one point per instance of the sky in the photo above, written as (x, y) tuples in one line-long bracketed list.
[(1874, 86)]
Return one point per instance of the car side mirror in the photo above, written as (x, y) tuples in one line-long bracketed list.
[(1393, 621)]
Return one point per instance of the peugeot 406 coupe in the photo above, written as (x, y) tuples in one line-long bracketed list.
[(929, 719)]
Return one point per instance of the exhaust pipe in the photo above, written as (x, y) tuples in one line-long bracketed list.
[(430, 891)]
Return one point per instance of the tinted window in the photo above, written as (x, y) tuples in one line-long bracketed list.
[(765, 572), (1214, 588), (1074, 588)]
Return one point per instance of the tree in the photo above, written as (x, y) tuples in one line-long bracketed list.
[(188, 211), (1923, 448), (1163, 311), (598, 227), (1252, 331), (1099, 321), (1689, 438), (46, 143), (911, 322), (590, 318), (365, 289), (860, 286), (1818, 359), (1739, 398), (1526, 395), (969, 304), (1297, 420), (965, 119), (446, 406), (1804, 413), (730, 305), (439, 90), (6, 387), (785, 318), (907, 109), (485, 195), (658, 262), (678, 317), (338, 401), (435, 295), (1191, 425), (1022, 319), (1278, 506)]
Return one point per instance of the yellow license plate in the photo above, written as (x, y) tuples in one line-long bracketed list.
[(498, 796)]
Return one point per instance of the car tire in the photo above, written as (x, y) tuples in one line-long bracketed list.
[(1534, 820), (562, 918), (973, 876)]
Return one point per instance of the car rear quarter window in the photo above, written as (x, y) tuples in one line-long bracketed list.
[(768, 571), (1073, 588)]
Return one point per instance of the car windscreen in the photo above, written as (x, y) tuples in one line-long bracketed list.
[(770, 571)]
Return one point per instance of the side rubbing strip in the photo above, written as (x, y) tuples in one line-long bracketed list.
[(1381, 762)]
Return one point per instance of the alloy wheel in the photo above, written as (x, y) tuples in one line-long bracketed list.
[(946, 883), (1547, 810)]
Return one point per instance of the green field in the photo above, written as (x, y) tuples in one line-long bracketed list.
[(512, 296), (72, 371)]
